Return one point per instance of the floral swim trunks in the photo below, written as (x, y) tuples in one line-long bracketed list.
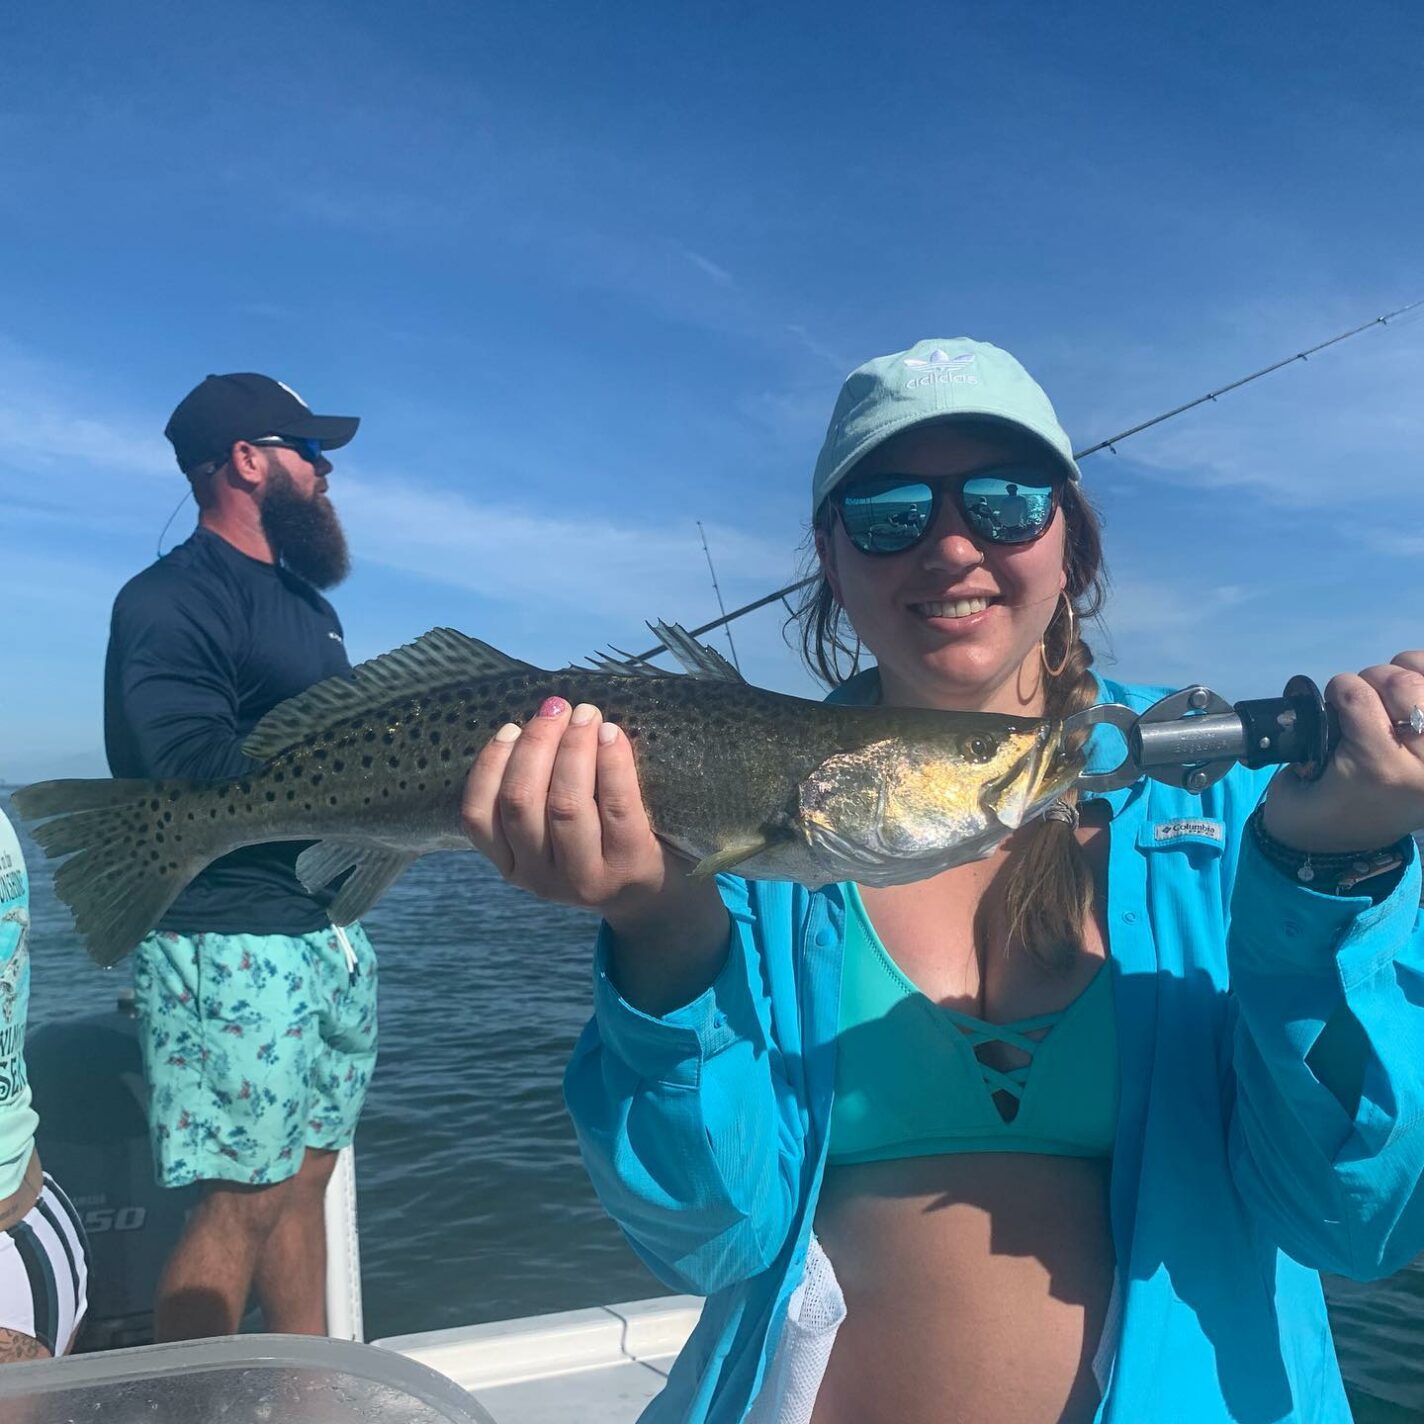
[(255, 1047)]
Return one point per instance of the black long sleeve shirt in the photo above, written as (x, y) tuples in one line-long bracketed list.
[(202, 645)]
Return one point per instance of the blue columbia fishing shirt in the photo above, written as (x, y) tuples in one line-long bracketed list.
[(1237, 1175)]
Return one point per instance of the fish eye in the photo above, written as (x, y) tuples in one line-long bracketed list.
[(981, 747)]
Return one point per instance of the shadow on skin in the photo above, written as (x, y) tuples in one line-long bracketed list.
[(194, 1313), (1194, 1223)]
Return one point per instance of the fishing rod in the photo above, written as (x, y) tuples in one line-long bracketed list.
[(1111, 443), (717, 589)]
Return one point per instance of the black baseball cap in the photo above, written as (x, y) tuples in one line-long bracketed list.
[(245, 406)]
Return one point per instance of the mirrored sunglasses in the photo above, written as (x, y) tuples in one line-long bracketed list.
[(308, 447), (890, 514)]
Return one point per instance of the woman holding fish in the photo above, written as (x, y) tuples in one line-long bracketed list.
[(1061, 1133)]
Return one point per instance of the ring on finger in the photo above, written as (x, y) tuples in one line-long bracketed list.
[(1412, 724)]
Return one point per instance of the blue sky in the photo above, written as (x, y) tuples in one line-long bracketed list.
[(591, 273)]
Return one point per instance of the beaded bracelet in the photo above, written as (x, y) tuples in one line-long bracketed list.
[(1335, 873)]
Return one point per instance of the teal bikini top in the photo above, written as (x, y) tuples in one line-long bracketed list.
[(909, 1082)]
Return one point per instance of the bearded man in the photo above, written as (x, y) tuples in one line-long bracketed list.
[(257, 1017)]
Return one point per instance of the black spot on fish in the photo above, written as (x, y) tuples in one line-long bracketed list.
[(246, 787), (167, 817), (434, 737), (388, 737), (368, 737), (421, 763), (271, 795), (331, 800), (279, 776), (366, 762), (317, 778), (338, 765), (153, 805), (231, 809), (393, 762), (320, 754)]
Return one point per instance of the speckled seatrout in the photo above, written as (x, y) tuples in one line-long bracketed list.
[(733, 777)]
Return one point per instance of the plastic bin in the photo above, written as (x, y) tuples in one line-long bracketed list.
[(241, 1379)]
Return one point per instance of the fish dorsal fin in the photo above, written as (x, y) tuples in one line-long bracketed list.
[(621, 664), (439, 656), (697, 659)]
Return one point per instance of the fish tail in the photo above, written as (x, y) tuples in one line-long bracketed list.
[(131, 848)]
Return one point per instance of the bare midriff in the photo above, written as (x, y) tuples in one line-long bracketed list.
[(976, 1284), (976, 1289)]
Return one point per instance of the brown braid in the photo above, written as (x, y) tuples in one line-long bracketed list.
[(1047, 886)]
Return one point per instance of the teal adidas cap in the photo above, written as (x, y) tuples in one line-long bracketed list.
[(933, 380)]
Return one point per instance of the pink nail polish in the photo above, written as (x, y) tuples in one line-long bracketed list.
[(554, 707)]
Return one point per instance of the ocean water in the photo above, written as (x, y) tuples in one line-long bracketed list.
[(473, 1202)]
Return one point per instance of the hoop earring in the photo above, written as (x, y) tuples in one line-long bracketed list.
[(1067, 641)]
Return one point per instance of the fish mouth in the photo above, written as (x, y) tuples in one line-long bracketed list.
[(1044, 772)]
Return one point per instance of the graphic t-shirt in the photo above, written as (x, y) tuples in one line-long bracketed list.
[(17, 1118)]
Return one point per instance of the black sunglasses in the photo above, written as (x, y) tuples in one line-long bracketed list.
[(890, 514)]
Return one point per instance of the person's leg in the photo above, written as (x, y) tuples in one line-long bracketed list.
[(204, 1287), (291, 1268), (292, 1278), (226, 1023)]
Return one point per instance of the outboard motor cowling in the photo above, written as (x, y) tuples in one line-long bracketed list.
[(86, 1076)]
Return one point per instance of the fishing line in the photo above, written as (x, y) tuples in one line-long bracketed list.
[(1110, 443)]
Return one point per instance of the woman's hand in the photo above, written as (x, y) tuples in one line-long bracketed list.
[(557, 807), (1372, 792)]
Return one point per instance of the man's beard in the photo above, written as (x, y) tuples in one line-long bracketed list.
[(305, 533)]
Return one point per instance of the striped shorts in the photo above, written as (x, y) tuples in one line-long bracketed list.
[(44, 1271)]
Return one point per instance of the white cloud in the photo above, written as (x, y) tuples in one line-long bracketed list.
[(720, 275), (47, 424), (574, 557), (1348, 418)]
